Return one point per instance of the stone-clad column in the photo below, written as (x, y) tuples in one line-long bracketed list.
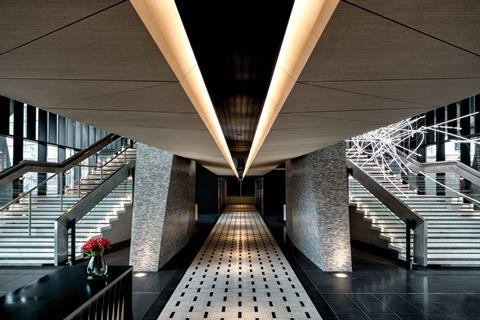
[(317, 207), (164, 207)]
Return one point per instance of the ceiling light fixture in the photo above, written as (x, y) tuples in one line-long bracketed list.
[(166, 28), (305, 26)]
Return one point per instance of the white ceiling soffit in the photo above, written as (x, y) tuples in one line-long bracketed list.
[(96, 62), (374, 65), (305, 26), (164, 23)]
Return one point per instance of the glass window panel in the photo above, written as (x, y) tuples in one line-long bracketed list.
[(472, 151), (10, 120), (36, 124), (30, 150), (84, 136), (91, 135), (70, 133), (6, 152), (452, 151), (78, 135), (25, 120), (30, 181), (84, 169), (431, 153), (52, 153)]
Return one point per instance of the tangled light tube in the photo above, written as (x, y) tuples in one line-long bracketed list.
[(384, 147)]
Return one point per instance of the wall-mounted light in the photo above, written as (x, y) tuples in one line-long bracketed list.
[(305, 26), (340, 275), (139, 274), (166, 28)]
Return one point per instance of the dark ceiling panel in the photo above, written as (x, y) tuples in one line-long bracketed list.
[(236, 44)]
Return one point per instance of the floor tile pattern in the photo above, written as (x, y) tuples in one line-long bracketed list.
[(240, 273)]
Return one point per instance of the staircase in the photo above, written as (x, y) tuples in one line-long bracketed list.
[(453, 226), (19, 248)]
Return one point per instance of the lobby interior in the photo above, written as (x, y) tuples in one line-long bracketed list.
[(288, 159)]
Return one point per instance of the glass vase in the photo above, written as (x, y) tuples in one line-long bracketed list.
[(97, 267)]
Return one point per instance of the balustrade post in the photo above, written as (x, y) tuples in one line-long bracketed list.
[(30, 214), (61, 190), (408, 244)]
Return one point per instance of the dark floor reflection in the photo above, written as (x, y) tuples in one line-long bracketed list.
[(150, 292), (380, 289), (377, 289)]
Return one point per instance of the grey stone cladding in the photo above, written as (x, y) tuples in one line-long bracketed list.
[(164, 207), (317, 207)]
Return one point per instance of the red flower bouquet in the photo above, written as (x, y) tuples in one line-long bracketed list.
[(96, 246), (94, 249)]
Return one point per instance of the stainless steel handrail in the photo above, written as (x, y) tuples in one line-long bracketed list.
[(17, 171), (62, 186), (456, 167), (399, 208), (103, 164), (23, 194), (69, 219)]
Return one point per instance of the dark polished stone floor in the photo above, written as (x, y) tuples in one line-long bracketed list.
[(377, 289), (150, 292)]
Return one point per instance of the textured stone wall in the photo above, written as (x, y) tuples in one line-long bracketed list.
[(164, 207), (317, 207)]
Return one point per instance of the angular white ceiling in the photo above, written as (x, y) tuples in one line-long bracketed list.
[(95, 62)]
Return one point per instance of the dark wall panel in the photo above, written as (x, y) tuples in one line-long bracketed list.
[(477, 116), (465, 132), (52, 128), (440, 117), (206, 191), (274, 194), (235, 188), (429, 120), (18, 132), (42, 125), (42, 157), (4, 114), (248, 186), (452, 114), (31, 123)]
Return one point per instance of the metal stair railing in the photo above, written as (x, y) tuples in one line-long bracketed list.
[(74, 167), (17, 171), (408, 215), (455, 167), (67, 221)]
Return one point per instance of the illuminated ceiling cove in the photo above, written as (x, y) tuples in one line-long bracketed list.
[(231, 85)]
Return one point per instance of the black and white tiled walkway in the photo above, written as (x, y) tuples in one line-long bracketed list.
[(240, 273)]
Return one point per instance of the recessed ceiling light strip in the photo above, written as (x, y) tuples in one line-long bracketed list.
[(305, 26), (165, 25)]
